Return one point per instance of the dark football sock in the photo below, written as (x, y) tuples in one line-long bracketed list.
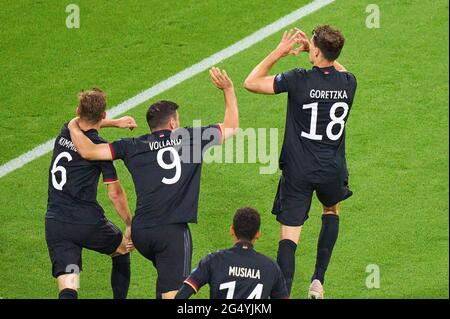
[(120, 276), (68, 294), (327, 239), (286, 260)]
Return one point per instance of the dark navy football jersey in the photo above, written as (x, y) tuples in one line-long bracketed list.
[(166, 168), (319, 103), (73, 181), (239, 273)]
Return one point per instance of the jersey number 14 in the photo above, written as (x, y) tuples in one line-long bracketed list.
[(231, 286)]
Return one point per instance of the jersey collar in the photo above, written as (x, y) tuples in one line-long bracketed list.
[(244, 244), (325, 70), (92, 130), (162, 133)]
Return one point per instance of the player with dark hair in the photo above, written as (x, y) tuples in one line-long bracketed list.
[(239, 272), (313, 153), (166, 166), (74, 219)]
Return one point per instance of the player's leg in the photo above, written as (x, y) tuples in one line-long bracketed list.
[(120, 272), (330, 194), (327, 239), (291, 205), (169, 295), (145, 244), (108, 239), (173, 263), (68, 285), (121, 249), (287, 246), (65, 256)]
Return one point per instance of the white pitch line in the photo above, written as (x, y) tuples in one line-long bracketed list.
[(187, 73)]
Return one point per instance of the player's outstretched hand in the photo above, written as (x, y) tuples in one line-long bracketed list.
[(126, 122), (288, 42), (220, 79)]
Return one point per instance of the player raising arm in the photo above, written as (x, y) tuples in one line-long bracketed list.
[(239, 272), (166, 167), (313, 153), (74, 219), (260, 81), (228, 128)]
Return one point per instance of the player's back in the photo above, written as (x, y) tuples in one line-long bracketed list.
[(73, 181), (319, 103), (167, 183), (239, 273)]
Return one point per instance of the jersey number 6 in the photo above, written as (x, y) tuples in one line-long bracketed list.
[(62, 170), (176, 163)]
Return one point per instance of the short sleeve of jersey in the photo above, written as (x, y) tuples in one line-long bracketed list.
[(287, 81), (352, 79), (120, 149), (201, 275), (108, 171), (107, 168), (279, 290)]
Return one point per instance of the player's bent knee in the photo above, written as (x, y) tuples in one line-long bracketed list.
[(68, 281), (290, 232), (332, 210), (169, 294), (121, 250)]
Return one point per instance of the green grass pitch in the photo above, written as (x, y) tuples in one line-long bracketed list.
[(397, 135)]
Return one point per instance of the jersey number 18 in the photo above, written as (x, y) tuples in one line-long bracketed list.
[(335, 120)]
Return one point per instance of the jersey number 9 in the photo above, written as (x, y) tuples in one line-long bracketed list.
[(176, 163)]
